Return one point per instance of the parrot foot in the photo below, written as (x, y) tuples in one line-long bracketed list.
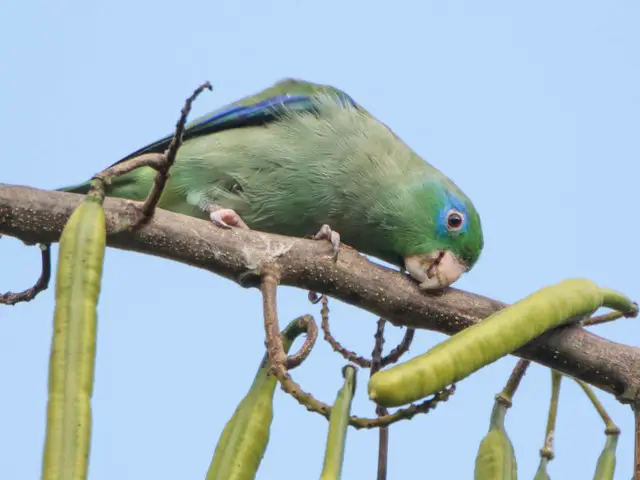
[(226, 218), (325, 233)]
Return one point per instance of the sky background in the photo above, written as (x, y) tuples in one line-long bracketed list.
[(532, 108)]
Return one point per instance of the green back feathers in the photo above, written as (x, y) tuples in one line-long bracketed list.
[(298, 155), (341, 167)]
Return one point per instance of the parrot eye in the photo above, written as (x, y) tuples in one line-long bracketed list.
[(455, 219)]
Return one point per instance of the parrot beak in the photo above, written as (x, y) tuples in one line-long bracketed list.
[(435, 270)]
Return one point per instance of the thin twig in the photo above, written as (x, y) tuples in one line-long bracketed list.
[(606, 318), (268, 286), (151, 160), (547, 449), (337, 346), (376, 354), (170, 154), (41, 284), (301, 355), (402, 348), (506, 396), (393, 356), (610, 427), (277, 359), (160, 162), (314, 405), (383, 439)]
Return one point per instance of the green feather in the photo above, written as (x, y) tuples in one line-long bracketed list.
[(336, 165)]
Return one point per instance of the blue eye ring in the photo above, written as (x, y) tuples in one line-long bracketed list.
[(455, 220)]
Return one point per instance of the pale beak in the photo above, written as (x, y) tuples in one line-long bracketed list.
[(435, 270)]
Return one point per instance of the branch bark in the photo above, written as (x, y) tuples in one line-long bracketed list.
[(38, 216)]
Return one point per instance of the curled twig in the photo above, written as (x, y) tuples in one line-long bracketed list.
[(337, 346), (277, 359), (41, 284), (314, 405), (402, 348), (393, 356), (306, 322)]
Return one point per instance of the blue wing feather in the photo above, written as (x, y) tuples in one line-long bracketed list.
[(238, 116)]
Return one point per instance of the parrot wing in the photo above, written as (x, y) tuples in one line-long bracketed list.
[(267, 106)]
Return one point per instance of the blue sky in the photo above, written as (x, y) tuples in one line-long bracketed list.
[(533, 108)]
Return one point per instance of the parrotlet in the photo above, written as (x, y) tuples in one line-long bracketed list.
[(300, 157)]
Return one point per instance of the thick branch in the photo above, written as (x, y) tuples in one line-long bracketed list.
[(38, 216)]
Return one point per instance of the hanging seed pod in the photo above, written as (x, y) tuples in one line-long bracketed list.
[(485, 342), (73, 346), (244, 439), (496, 458), (338, 424)]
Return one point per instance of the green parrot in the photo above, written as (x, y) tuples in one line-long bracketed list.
[(298, 157)]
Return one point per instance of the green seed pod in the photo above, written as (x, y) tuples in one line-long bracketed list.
[(496, 459), (617, 301), (73, 347), (338, 424), (485, 342), (607, 461), (244, 439), (542, 474)]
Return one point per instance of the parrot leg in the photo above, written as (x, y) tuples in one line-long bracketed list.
[(226, 217), (325, 233)]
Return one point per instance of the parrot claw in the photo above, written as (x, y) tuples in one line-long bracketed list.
[(227, 218), (325, 233)]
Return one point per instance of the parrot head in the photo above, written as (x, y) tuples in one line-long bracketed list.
[(447, 234)]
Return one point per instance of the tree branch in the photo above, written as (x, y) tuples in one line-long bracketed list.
[(38, 216)]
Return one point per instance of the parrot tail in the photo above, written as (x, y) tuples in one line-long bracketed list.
[(130, 185), (83, 188)]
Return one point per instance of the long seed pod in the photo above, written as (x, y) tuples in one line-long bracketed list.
[(496, 458), (73, 347), (244, 439), (338, 423), (485, 342)]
